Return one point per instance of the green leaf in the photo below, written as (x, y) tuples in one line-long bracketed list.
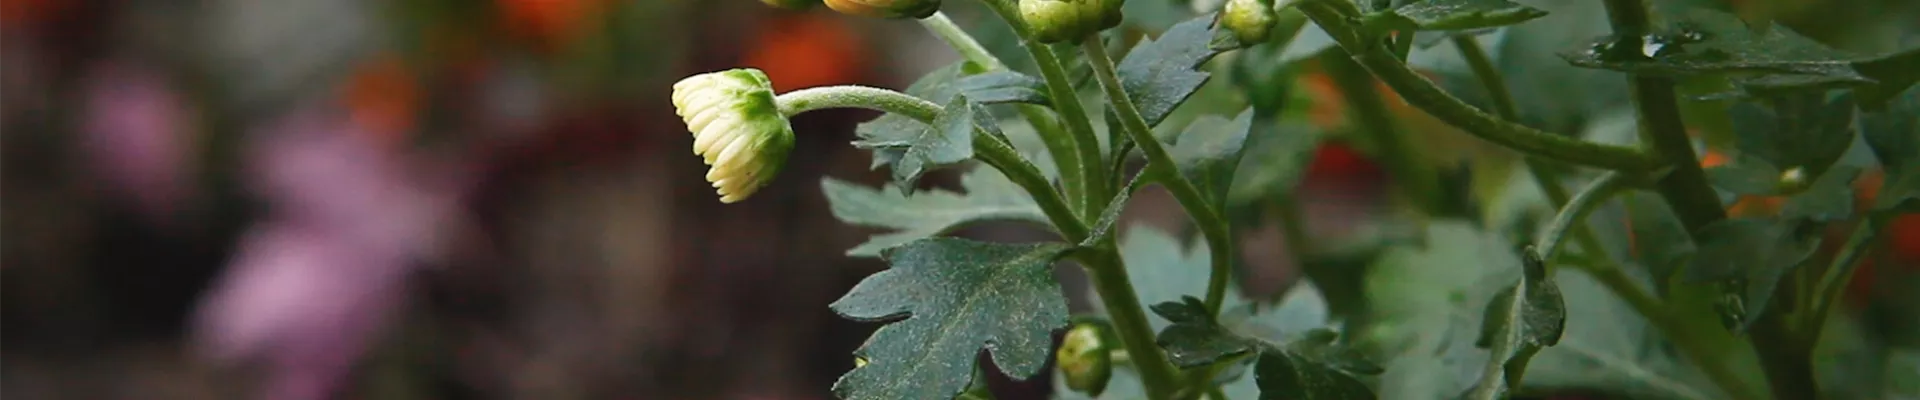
[(1209, 151), (988, 196), (1894, 136), (1702, 41), (1311, 367), (1520, 321), (1163, 269), (1460, 15), (1807, 131), (1161, 73), (1829, 199), (1746, 175), (956, 296), (1896, 72), (1427, 307), (1004, 86), (1274, 161), (1753, 254), (937, 87), (947, 141), (1660, 241)]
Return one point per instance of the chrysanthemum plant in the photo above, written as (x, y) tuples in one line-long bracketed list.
[(1672, 298)]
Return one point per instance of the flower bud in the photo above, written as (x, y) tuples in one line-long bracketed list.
[(915, 9), (1053, 21), (737, 128), (791, 4), (1792, 181), (1085, 359), (1250, 20)]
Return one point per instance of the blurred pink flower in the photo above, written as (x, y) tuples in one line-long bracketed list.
[(135, 138), (312, 285)]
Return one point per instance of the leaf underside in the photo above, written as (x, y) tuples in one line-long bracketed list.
[(988, 196), (1520, 321)]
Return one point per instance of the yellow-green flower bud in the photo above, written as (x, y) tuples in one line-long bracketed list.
[(737, 128), (791, 4), (915, 9), (1250, 20), (1085, 359), (1053, 21)]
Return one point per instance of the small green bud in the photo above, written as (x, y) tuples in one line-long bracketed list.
[(1054, 21), (1250, 20), (1085, 359), (795, 5), (737, 128), (915, 9), (1793, 180)]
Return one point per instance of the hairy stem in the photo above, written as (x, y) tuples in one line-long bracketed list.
[(987, 148), (1418, 182), (1422, 93), (1065, 152), (1575, 210), (1066, 101), (1161, 164)]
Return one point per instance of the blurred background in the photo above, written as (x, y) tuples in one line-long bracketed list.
[(448, 199)]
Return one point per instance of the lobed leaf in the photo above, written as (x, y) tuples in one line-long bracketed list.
[(1894, 136), (988, 196), (1460, 15), (1828, 199), (956, 296), (1312, 367), (947, 141), (1163, 72), (1761, 61), (1004, 86), (1807, 130), (1520, 321), (1209, 151), (1753, 254)]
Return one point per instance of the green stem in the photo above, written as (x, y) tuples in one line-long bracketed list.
[(1503, 105), (1066, 101), (1833, 281), (1420, 185), (1065, 152), (986, 147), (1108, 273), (1575, 210), (1420, 92), (1161, 164), (1785, 355)]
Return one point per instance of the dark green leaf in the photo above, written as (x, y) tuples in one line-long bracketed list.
[(1313, 367), (1896, 72), (1520, 321), (1195, 339), (948, 141), (1104, 227), (1004, 86), (1660, 241), (1275, 159), (1805, 130), (956, 296), (1829, 199), (1746, 175), (1284, 375), (1161, 73), (1461, 15), (1752, 254), (1707, 41), (1894, 136), (936, 86), (989, 196), (1209, 151)]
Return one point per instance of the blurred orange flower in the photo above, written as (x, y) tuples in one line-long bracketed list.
[(806, 50)]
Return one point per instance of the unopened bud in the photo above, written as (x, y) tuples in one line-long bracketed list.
[(737, 128), (915, 9), (1250, 20), (1085, 359), (1053, 21)]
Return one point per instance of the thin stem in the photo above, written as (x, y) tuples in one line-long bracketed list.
[(1160, 163), (1420, 92), (1833, 281), (1065, 152), (988, 148), (1419, 183), (1066, 101), (1576, 209), (1108, 273)]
